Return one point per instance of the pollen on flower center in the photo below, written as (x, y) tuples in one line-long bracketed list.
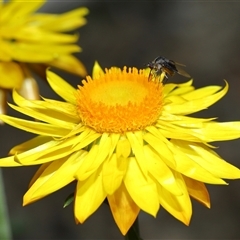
[(118, 92), (119, 101)]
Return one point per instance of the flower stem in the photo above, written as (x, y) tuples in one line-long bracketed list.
[(5, 232), (134, 232)]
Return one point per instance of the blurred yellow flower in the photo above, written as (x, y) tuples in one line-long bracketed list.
[(123, 138), (30, 41)]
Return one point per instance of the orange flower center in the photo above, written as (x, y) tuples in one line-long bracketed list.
[(119, 101)]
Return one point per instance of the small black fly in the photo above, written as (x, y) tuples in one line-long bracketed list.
[(169, 67)]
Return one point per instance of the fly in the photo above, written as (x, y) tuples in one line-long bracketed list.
[(169, 67)]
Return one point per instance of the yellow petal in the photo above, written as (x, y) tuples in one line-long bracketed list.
[(35, 127), (114, 170), (180, 91), (34, 35), (160, 171), (84, 138), (64, 108), (5, 52), (201, 92), (171, 87), (173, 131), (37, 189), (61, 87), (38, 173), (69, 63), (142, 190), (61, 110), (136, 142), (53, 177), (62, 22), (179, 207), (225, 131), (195, 105), (124, 209), (11, 75), (160, 145), (88, 196), (31, 156), (9, 162), (95, 158), (45, 117), (123, 148), (183, 121), (198, 191), (211, 161), (115, 139), (97, 70), (29, 52), (186, 164), (34, 142), (198, 131), (51, 151), (83, 173), (14, 10)]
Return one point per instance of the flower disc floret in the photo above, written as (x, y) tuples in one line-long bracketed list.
[(119, 101)]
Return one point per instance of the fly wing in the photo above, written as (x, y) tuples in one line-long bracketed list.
[(180, 64), (182, 72)]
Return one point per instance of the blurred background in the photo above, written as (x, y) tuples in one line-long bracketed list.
[(205, 36)]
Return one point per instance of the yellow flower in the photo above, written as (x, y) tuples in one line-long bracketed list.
[(30, 41), (123, 138)]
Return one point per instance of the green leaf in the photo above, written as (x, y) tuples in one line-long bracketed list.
[(69, 200)]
